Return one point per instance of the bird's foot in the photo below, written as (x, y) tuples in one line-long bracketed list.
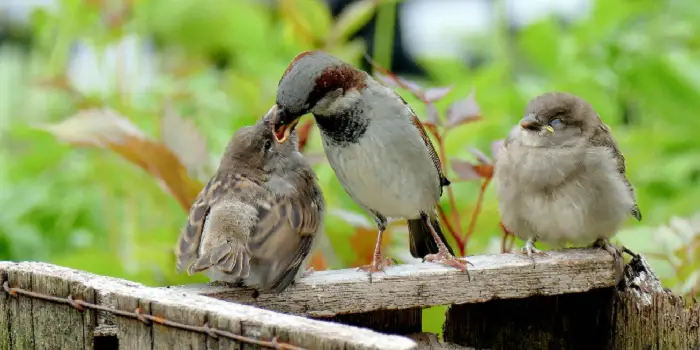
[(530, 250), (614, 250), (377, 265), (631, 253), (308, 272), (444, 257)]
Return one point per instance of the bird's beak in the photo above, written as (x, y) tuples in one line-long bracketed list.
[(529, 122), (280, 128)]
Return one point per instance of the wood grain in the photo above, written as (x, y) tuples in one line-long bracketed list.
[(181, 307), (636, 314), (502, 276)]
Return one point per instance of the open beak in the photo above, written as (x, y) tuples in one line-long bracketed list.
[(530, 123), (279, 129), (282, 132)]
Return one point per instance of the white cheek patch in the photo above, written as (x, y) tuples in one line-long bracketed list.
[(532, 138), (330, 104)]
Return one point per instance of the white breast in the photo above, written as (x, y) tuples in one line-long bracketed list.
[(574, 199), (389, 171)]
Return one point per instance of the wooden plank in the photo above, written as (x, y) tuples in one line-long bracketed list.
[(638, 315), (5, 300), (569, 321), (430, 341), (165, 338), (298, 331), (87, 319), (132, 334), (501, 276), (649, 317), (404, 321), (224, 324), (56, 326), (21, 326)]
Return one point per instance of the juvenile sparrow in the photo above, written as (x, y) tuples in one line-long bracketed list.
[(375, 144), (560, 176), (257, 218)]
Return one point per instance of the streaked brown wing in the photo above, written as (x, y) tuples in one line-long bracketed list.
[(190, 237), (602, 137), (428, 144), (285, 234)]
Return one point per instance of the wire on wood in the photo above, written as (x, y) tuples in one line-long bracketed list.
[(80, 305)]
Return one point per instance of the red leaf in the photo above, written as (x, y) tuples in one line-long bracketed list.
[(414, 88), (388, 80), (107, 129), (436, 94), (318, 261), (394, 80), (484, 170), (432, 114), (184, 140), (465, 170), (463, 111), (480, 156), (303, 134)]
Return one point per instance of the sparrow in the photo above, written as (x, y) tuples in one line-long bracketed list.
[(374, 143), (560, 176), (256, 219)]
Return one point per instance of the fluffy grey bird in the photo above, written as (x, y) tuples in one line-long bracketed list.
[(257, 218), (375, 144), (560, 176)]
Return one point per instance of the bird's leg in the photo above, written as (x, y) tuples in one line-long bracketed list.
[(377, 263), (308, 272), (616, 252), (610, 248), (530, 249), (443, 255)]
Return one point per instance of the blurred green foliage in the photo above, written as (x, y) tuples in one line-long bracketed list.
[(635, 61)]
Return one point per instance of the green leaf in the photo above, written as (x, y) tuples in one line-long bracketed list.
[(309, 19), (353, 17)]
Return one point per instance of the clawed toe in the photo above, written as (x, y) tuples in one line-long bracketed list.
[(377, 265), (449, 260), (308, 272), (530, 250), (610, 248)]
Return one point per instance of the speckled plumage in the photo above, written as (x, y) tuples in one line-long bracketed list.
[(566, 186), (257, 218)]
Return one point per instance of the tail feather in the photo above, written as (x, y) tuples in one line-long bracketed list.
[(421, 240), (230, 259)]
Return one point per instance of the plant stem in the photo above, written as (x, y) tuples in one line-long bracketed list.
[(457, 234), (450, 229), (505, 246), (477, 209), (384, 34)]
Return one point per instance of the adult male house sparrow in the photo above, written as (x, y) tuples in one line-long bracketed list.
[(560, 176), (375, 144), (257, 218)]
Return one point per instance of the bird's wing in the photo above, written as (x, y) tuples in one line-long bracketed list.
[(602, 137), (284, 235), (188, 243), (428, 144)]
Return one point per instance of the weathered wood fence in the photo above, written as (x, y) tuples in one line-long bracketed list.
[(574, 299)]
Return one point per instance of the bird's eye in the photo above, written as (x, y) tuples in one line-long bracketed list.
[(268, 144), (556, 123)]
